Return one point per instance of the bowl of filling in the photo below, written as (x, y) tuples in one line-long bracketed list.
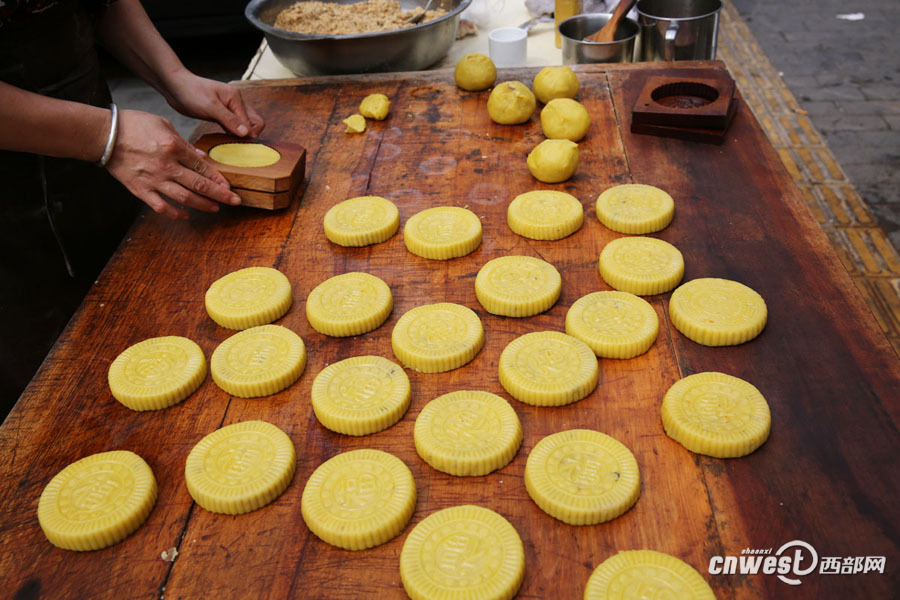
[(335, 37)]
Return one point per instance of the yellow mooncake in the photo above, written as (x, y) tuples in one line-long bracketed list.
[(157, 373), (360, 395), (717, 312), (240, 468), (613, 324), (437, 337), (517, 286), (359, 499), (646, 574), (635, 208), (582, 477), (467, 433), (248, 297), (716, 414), (349, 304), (97, 501), (442, 233), (361, 221), (462, 553), (259, 361), (548, 368)]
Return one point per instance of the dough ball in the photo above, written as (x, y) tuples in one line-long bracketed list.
[(566, 119), (553, 161), (555, 82), (375, 106), (511, 103), (475, 72), (355, 124)]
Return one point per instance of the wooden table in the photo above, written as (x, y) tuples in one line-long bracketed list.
[(827, 475)]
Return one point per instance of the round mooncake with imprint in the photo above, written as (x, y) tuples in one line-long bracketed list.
[(613, 324), (434, 338), (97, 501), (359, 499), (249, 297), (467, 433), (716, 414), (545, 215), (360, 395), (361, 221), (635, 208), (582, 477), (240, 468), (641, 265), (548, 368), (442, 233), (462, 553), (244, 154), (349, 304), (517, 286), (634, 574), (717, 312), (259, 361), (157, 373)]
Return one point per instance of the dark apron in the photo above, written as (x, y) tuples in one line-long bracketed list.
[(60, 219)]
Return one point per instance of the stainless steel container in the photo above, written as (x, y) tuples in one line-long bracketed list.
[(577, 50), (409, 49), (678, 29)]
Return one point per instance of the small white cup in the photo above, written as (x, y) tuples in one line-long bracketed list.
[(508, 46)]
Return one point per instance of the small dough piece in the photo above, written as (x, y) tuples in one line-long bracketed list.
[(157, 373), (360, 395), (442, 233), (97, 501), (652, 574), (635, 208), (717, 312), (249, 297), (582, 477), (565, 119), (613, 324), (641, 265), (359, 499), (548, 368), (355, 124), (240, 468), (375, 106), (517, 286), (555, 82), (716, 414), (545, 215), (462, 553), (434, 338), (349, 304), (259, 361), (475, 72), (511, 103), (467, 433), (361, 221), (553, 161), (244, 154)]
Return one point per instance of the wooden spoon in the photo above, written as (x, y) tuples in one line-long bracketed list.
[(607, 33)]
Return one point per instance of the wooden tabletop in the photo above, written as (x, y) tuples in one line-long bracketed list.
[(827, 475)]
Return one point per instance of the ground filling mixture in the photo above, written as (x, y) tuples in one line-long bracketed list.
[(337, 19)]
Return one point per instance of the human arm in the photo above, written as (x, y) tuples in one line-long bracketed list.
[(127, 32), (149, 156)]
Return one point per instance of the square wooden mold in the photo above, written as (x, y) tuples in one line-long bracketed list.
[(701, 101), (270, 187)]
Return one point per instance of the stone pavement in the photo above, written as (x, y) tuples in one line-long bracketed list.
[(850, 79), (846, 75)]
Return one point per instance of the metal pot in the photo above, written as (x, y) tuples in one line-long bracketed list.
[(678, 29), (577, 50), (409, 49)]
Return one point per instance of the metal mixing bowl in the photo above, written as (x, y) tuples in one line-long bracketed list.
[(410, 49)]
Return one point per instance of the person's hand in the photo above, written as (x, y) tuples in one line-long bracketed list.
[(210, 100), (162, 169)]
